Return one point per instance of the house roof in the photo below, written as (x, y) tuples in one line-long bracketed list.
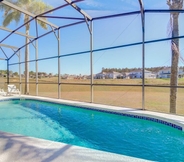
[(140, 70), (165, 68)]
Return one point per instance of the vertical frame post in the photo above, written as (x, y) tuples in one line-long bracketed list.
[(36, 57), (91, 57), (59, 73), (8, 76), (20, 78), (143, 63), (36, 66), (143, 52)]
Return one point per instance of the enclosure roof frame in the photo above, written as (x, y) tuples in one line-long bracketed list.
[(78, 9), (6, 46), (72, 4), (36, 17), (18, 33), (27, 13)]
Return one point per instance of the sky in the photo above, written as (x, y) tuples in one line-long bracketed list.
[(106, 33)]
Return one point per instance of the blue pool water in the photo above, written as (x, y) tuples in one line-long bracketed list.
[(93, 129)]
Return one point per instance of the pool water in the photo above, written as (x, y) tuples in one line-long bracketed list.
[(93, 129)]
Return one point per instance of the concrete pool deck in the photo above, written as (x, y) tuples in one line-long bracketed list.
[(18, 148)]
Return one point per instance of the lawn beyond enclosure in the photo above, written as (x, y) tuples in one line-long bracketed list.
[(156, 98)]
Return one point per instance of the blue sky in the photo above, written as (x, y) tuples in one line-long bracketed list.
[(107, 33)]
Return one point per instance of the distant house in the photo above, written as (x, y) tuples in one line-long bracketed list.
[(100, 75), (125, 75), (138, 74), (181, 73), (110, 75), (89, 76), (113, 75), (166, 72)]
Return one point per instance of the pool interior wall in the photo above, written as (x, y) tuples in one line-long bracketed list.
[(171, 120), (18, 145)]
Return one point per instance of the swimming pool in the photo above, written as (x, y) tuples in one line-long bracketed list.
[(93, 129)]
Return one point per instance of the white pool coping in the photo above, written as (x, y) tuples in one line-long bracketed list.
[(18, 148)]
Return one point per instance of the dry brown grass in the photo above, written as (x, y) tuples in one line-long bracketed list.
[(156, 99)]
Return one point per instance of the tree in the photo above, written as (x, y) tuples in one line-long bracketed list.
[(34, 6), (174, 5), (32, 74), (15, 73)]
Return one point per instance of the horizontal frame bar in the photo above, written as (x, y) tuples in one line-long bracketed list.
[(60, 17), (117, 15), (163, 11), (103, 49), (114, 85), (19, 33)]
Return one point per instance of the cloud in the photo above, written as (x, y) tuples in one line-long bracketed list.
[(131, 3), (86, 4), (89, 3), (92, 3)]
